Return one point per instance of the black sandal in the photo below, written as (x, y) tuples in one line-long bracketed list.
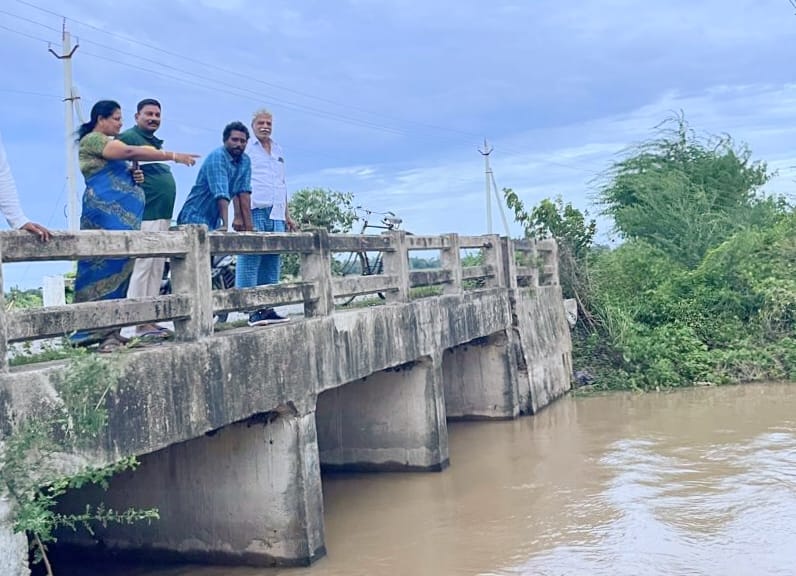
[(110, 344), (113, 342)]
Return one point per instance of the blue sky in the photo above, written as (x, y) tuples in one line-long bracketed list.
[(390, 99)]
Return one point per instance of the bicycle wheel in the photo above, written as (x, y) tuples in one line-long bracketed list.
[(349, 266), (354, 264), (376, 268)]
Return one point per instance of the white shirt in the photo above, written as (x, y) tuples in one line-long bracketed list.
[(9, 199), (269, 188)]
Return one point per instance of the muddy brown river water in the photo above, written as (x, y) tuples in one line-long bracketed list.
[(698, 481)]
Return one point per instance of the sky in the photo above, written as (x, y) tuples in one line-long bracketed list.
[(391, 99)]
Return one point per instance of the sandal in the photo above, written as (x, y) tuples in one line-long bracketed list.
[(154, 332), (145, 342), (111, 344)]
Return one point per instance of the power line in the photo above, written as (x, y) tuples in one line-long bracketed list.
[(32, 37), (249, 94), (260, 96), (31, 21), (276, 86), (247, 76), (28, 93), (133, 66)]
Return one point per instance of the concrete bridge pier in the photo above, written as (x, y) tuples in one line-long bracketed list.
[(249, 493), (481, 379), (393, 420)]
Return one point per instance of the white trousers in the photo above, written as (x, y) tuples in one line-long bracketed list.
[(148, 272)]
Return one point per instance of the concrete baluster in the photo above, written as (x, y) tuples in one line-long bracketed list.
[(316, 267), (549, 251), (450, 259), (396, 263), (509, 263), (190, 275), (493, 257)]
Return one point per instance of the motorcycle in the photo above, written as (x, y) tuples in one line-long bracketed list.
[(222, 277)]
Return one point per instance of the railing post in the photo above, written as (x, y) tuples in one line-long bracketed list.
[(451, 260), (396, 263), (549, 274), (316, 267), (3, 327), (493, 257), (190, 275), (509, 268)]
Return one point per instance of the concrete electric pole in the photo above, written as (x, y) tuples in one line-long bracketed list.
[(68, 51), (488, 173), (490, 187)]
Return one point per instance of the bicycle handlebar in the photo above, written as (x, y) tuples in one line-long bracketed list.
[(373, 212), (388, 218)]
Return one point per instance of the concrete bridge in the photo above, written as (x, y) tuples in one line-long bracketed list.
[(234, 427)]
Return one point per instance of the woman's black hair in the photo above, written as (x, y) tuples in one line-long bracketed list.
[(102, 109)]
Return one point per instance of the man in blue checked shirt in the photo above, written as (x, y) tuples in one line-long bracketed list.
[(224, 176)]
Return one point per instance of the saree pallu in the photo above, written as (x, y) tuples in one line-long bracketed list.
[(111, 201)]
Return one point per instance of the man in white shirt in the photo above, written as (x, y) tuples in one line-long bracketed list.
[(9, 201), (267, 211)]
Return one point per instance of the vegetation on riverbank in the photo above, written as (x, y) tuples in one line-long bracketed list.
[(702, 288)]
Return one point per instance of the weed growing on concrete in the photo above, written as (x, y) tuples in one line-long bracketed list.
[(39, 462)]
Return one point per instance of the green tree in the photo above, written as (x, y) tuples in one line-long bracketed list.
[(319, 208), (18, 298), (574, 232), (685, 194), (554, 218), (322, 208), (702, 288)]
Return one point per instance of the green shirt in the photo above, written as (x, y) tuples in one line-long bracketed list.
[(159, 186)]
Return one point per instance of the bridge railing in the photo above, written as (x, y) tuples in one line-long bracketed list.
[(193, 302), (537, 262)]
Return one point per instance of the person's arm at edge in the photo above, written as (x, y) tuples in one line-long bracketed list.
[(10, 205)]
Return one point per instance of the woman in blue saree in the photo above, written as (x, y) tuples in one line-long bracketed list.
[(112, 201)]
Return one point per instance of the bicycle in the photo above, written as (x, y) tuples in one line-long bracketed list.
[(359, 263)]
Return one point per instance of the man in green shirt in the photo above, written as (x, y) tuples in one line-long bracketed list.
[(160, 191)]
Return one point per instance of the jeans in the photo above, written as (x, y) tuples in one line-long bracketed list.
[(258, 269)]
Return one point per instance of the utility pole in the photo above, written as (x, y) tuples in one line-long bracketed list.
[(488, 172), (69, 109), (76, 103), (500, 201)]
